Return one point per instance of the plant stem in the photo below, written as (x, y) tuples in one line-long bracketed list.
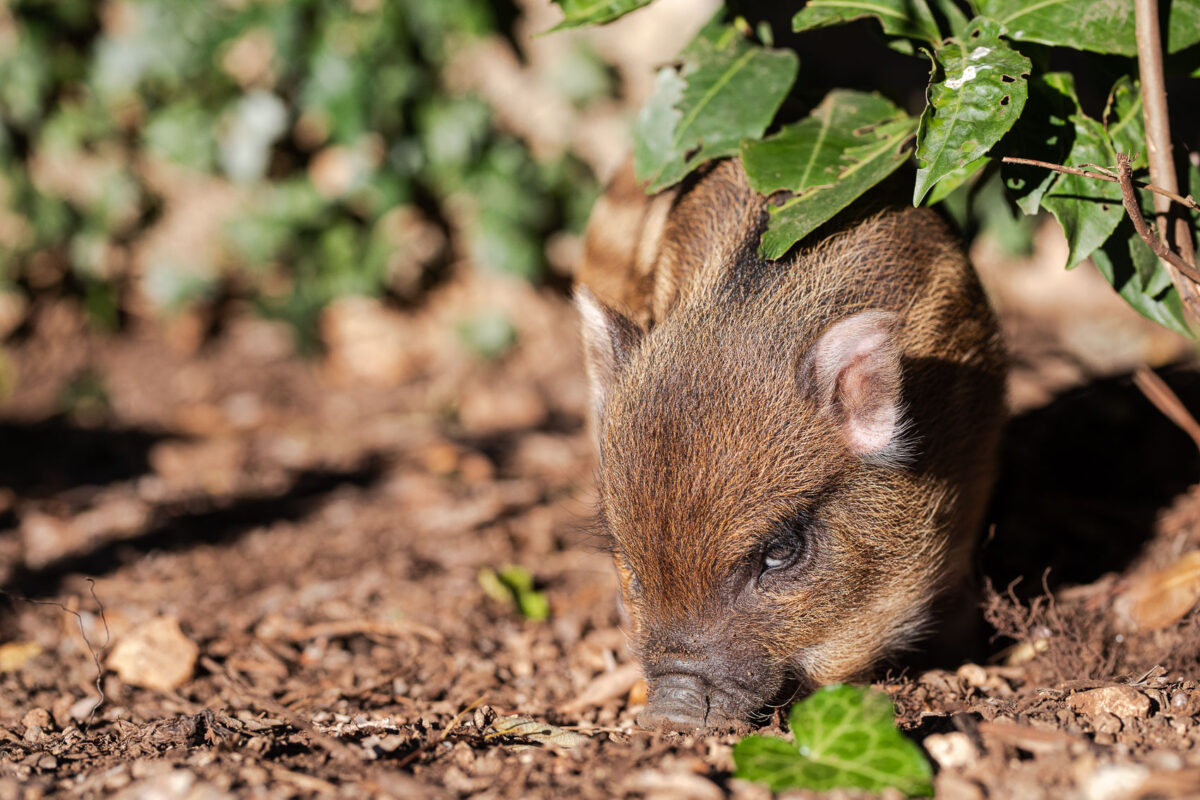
[(1188, 201), (1158, 146), (1160, 248), (1157, 392)]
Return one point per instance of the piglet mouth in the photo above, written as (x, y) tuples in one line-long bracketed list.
[(682, 701)]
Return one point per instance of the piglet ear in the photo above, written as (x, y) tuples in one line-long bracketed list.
[(854, 372), (608, 339)]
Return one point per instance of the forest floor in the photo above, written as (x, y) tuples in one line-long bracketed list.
[(276, 564)]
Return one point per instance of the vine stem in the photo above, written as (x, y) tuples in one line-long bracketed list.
[(1166, 401), (1155, 243), (1123, 175), (1158, 150), (1183, 200)]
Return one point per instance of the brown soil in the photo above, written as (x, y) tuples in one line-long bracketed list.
[(317, 529)]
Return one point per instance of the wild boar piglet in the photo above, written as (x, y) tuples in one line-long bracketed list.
[(794, 455)]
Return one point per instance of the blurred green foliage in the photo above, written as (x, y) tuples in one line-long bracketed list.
[(314, 123)]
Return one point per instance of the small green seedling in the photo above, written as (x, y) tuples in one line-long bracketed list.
[(845, 736), (513, 584)]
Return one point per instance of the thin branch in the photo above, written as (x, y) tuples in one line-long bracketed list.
[(1158, 146), (1165, 400), (1187, 201), (1130, 201)]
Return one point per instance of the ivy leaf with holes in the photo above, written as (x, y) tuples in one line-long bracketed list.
[(1089, 210), (910, 18), (980, 93), (851, 142), (1101, 27), (845, 737), (594, 12), (728, 90)]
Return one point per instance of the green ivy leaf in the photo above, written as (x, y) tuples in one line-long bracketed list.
[(1106, 27), (729, 90), (845, 736), (1123, 121), (955, 179), (951, 15), (980, 94), (910, 18), (595, 12), (1136, 273), (1044, 132), (852, 141), (1089, 210)]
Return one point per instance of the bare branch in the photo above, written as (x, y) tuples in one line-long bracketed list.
[(1165, 400), (1129, 200), (1187, 201)]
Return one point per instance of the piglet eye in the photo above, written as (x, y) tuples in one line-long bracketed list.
[(786, 548), (779, 554)]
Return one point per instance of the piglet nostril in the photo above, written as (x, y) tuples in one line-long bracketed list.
[(678, 701)]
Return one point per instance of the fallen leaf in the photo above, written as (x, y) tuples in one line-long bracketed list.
[(1162, 598), (542, 733), (605, 687), (155, 655)]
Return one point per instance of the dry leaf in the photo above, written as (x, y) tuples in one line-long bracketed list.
[(155, 655), (1161, 598), (537, 732), (604, 687)]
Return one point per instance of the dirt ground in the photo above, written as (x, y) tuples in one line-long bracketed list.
[(287, 553)]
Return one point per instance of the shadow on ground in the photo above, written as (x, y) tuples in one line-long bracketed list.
[(44, 459), (1082, 482), (218, 520)]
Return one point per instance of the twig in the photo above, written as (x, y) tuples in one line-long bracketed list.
[(1158, 147), (1188, 201), (458, 717), (1166, 401), (1129, 199)]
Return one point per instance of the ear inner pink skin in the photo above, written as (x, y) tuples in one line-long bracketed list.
[(857, 370)]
